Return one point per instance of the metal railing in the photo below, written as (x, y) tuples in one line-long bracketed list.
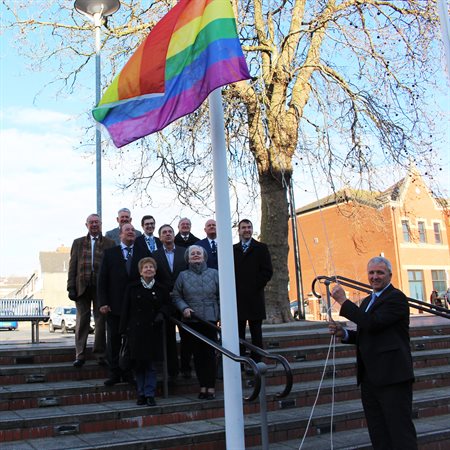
[(363, 287), (259, 371)]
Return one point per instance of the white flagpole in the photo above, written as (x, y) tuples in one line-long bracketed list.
[(445, 30), (234, 415)]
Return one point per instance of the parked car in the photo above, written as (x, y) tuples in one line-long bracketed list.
[(63, 318), (8, 324)]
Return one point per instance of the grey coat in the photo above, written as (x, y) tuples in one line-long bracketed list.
[(198, 288)]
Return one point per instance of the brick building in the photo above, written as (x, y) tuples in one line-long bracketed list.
[(406, 223)]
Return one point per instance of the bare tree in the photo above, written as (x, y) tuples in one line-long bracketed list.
[(343, 82)]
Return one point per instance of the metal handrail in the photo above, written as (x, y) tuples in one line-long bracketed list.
[(281, 359), (231, 355), (363, 287)]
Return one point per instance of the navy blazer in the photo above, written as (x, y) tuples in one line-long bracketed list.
[(381, 337), (113, 277), (211, 262)]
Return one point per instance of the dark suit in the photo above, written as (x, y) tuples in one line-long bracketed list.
[(385, 368), (211, 262), (113, 279), (252, 270), (167, 278), (182, 243), (141, 242), (82, 279)]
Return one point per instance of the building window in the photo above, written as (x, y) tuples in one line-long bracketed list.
[(437, 233), (416, 287), (422, 232), (439, 280), (406, 231)]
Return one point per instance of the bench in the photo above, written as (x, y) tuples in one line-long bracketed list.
[(24, 310)]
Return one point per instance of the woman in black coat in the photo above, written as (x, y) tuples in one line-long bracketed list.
[(145, 304)]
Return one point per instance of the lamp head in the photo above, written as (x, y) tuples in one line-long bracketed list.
[(92, 7)]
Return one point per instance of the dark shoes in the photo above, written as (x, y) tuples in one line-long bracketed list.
[(112, 381), (78, 363), (102, 362), (148, 401), (206, 395), (129, 379)]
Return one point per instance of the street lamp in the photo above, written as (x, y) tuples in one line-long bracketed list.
[(95, 10)]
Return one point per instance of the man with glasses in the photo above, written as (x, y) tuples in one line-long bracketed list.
[(148, 240)]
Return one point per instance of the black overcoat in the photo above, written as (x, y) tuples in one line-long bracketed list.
[(253, 270), (140, 307)]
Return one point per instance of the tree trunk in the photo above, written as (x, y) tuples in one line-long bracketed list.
[(274, 231)]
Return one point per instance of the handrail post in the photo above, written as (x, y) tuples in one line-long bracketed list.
[(263, 407), (327, 284), (165, 371)]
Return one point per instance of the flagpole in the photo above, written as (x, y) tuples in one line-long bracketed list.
[(234, 416)]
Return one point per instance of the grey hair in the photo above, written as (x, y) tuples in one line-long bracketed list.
[(381, 260), (188, 251), (124, 210)]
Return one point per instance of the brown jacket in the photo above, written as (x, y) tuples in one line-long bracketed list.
[(80, 269)]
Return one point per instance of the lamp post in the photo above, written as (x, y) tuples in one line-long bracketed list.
[(96, 10)]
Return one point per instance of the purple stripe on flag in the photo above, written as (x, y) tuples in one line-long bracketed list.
[(219, 74)]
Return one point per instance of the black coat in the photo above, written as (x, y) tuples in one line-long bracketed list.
[(382, 337), (140, 241), (253, 270), (113, 277), (140, 308), (163, 274), (182, 243)]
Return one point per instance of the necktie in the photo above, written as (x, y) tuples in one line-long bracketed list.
[(94, 243), (128, 257), (244, 247), (372, 301), (213, 247), (185, 238), (150, 243)]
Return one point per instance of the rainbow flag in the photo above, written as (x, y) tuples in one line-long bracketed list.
[(191, 51)]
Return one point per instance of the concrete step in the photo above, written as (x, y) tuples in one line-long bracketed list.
[(64, 393), (132, 428), (432, 434)]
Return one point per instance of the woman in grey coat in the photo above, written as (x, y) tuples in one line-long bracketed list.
[(196, 291)]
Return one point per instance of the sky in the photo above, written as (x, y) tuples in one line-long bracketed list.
[(47, 180)]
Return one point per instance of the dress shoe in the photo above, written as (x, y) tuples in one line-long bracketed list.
[(202, 395), (210, 396), (112, 381), (102, 362), (78, 363), (151, 401), (141, 400), (187, 374)]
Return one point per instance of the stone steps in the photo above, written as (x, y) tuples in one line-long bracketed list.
[(197, 430), (46, 403)]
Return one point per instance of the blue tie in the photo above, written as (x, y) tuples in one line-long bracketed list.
[(213, 247), (372, 301), (244, 247)]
